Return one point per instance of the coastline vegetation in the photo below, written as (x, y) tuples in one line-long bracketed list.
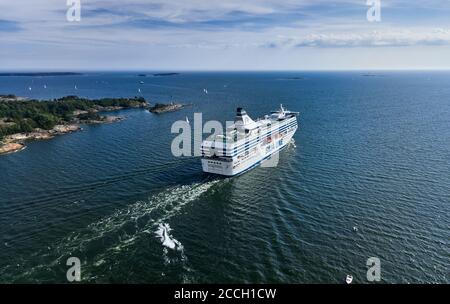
[(23, 116)]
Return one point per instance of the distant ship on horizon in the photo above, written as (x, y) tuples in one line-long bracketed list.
[(247, 143)]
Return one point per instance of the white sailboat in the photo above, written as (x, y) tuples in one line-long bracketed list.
[(187, 119)]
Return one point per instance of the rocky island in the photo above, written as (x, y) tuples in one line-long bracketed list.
[(22, 120), (165, 74), (160, 108)]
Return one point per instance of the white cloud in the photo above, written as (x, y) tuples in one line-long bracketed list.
[(110, 30), (380, 38)]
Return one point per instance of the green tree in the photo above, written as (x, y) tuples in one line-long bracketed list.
[(44, 121)]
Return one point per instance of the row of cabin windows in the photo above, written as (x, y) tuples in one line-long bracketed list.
[(214, 162)]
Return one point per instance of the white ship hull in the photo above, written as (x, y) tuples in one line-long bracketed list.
[(248, 143), (233, 167)]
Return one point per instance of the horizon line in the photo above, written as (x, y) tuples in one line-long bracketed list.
[(68, 70)]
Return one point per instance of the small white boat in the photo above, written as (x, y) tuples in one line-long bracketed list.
[(349, 279), (29, 88), (205, 90), (76, 87), (139, 90), (45, 86), (187, 119)]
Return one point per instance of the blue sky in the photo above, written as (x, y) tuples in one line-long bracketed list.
[(224, 35)]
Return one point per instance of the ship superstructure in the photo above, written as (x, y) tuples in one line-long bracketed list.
[(247, 143)]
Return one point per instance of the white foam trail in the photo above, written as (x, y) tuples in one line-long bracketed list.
[(163, 232), (120, 230), (292, 143), (169, 242), (144, 216)]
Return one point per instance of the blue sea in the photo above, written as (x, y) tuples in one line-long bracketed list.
[(368, 176)]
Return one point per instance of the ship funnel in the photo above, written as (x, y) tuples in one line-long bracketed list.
[(243, 120)]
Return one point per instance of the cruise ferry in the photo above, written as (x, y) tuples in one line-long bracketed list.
[(246, 143)]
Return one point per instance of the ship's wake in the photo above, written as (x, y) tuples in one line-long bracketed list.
[(105, 241), (291, 144), (163, 232), (46, 197), (170, 243)]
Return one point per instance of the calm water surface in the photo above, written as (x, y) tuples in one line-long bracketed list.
[(371, 153)]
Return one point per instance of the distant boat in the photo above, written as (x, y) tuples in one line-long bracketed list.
[(187, 119), (45, 86), (205, 90), (139, 90), (141, 82), (29, 88), (76, 87), (349, 279)]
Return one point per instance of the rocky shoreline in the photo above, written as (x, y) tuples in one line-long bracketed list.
[(11, 148), (160, 108), (17, 141)]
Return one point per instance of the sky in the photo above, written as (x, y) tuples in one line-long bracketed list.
[(177, 35)]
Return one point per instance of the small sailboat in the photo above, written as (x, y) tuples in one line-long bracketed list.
[(349, 279), (187, 119), (45, 86), (141, 82), (205, 90), (76, 87), (29, 88)]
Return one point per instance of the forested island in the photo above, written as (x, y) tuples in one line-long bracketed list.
[(22, 119)]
